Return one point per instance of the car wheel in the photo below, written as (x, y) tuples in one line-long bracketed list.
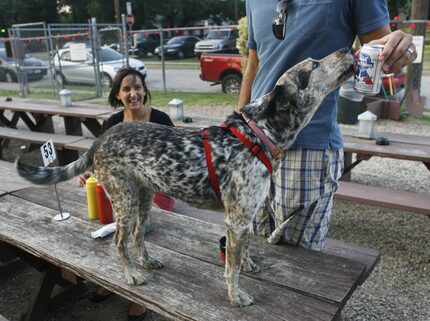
[(59, 78), (10, 77), (231, 84), (181, 54), (142, 53)]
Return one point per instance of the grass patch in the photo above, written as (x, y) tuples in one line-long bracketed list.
[(158, 98), (193, 98), (424, 119)]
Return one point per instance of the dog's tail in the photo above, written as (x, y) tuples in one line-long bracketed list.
[(52, 175)]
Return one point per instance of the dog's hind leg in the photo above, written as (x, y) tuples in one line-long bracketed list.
[(125, 204), (237, 235), (146, 196)]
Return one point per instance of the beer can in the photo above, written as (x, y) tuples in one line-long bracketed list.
[(367, 78)]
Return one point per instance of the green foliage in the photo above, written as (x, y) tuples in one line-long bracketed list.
[(242, 40), (24, 11), (176, 13)]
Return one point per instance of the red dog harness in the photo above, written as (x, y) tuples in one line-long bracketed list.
[(254, 148)]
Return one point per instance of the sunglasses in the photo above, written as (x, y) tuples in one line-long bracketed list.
[(279, 24)]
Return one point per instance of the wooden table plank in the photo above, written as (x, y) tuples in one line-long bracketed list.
[(180, 290), (81, 145), (330, 278), (394, 150), (81, 112), (393, 137), (10, 181)]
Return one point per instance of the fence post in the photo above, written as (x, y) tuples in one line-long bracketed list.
[(96, 56), (163, 67)]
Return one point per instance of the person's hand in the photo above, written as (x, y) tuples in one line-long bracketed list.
[(399, 51), (81, 179)]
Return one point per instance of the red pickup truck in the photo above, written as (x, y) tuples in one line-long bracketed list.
[(224, 69)]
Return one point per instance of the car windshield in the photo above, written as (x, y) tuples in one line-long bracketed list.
[(218, 34), (175, 40), (107, 54)]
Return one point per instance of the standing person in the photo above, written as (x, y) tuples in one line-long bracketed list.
[(303, 187), (129, 90)]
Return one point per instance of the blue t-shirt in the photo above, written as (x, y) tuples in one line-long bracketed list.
[(315, 28)]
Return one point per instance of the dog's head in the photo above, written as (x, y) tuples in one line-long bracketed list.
[(300, 91)]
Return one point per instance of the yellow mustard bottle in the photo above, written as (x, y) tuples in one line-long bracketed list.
[(91, 184)]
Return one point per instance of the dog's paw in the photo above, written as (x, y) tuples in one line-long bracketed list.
[(152, 263), (134, 277), (241, 299), (248, 266)]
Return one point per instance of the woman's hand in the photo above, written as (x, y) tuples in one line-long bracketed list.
[(81, 179)]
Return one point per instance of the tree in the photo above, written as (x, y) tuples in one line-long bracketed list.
[(22, 11), (419, 11)]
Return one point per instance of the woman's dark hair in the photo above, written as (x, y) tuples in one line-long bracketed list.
[(116, 86)]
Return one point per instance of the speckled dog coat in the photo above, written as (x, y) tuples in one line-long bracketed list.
[(132, 160)]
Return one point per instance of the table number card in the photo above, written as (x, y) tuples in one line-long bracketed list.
[(48, 152), (48, 156)]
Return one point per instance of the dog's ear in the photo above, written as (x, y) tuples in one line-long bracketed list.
[(287, 94)]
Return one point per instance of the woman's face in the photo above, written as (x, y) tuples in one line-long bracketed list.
[(131, 93)]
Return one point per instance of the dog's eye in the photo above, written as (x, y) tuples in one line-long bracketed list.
[(315, 64)]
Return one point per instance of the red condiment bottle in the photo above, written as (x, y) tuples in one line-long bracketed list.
[(104, 205)]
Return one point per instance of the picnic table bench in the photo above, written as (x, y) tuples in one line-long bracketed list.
[(294, 284)]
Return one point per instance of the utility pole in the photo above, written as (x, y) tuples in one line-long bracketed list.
[(236, 13), (419, 11), (117, 12)]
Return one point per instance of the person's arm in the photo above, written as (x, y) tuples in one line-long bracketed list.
[(247, 79), (395, 54)]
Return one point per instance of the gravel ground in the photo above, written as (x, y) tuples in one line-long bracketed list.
[(397, 290)]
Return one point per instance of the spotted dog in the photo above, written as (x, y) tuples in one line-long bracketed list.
[(133, 160)]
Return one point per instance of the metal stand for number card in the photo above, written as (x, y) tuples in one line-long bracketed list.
[(48, 155), (61, 216)]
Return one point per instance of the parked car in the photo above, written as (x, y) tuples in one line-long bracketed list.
[(218, 40), (224, 69), (68, 71), (34, 68), (178, 47), (144, 44)]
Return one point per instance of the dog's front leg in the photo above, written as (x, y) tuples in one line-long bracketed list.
[(248, 264), (236, 235)]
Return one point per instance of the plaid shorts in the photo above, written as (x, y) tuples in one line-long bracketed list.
[(299, 206)]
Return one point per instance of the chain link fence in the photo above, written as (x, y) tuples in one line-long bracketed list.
[(41, 55), (85, 57)]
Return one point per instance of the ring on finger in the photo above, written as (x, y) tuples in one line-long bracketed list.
[(411, 51)]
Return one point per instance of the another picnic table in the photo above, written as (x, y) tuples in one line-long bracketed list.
[(401, 146), (294, 284)]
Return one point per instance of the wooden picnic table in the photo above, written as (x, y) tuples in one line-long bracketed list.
[(402, 146), (42, 113), (294, 284)]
